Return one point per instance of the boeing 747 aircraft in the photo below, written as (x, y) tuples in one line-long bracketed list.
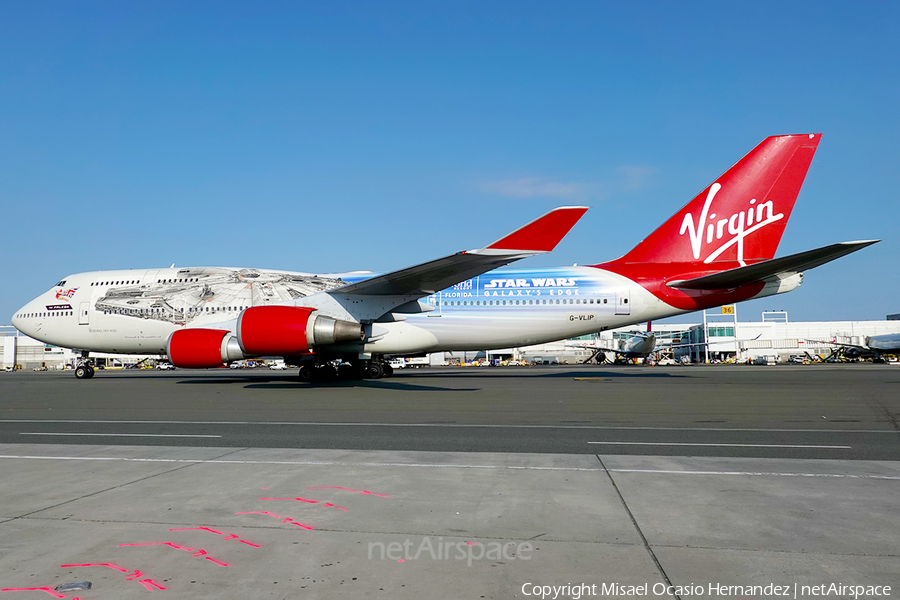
[(718, 249)]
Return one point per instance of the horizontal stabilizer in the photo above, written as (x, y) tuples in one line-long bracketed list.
[(766, 269), (538, 237)]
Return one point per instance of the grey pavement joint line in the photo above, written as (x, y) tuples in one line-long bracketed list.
[(215, 461), (184, 466), (778, 551), (637, 527), (758, 474)]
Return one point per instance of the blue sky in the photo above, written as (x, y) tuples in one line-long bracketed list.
[(338, 136)]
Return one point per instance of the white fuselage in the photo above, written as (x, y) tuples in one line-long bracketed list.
[(135, 311)]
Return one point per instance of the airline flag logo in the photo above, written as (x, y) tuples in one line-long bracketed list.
[(61, 294), (710, 228)]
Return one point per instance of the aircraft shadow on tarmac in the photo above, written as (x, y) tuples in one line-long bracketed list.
[(363, 383), (282, 383)]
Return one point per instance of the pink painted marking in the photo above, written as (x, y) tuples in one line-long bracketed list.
[(299, 499), (199, 529), (250, 544), (400, 560), (227, 537), (147, 583), (363, 492), (259, 512), (176, 546), (110, 565), (35, 589), (470, 543), (336, 506), (284, 520), (195, 552), (134, 575)]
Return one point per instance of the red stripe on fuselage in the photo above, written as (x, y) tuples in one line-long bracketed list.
[(654, 277)]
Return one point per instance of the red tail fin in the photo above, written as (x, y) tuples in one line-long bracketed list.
[(741, 216)]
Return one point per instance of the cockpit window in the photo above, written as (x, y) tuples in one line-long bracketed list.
[(61, 283)]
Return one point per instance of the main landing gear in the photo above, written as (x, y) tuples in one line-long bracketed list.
[(84, 368), (337, 370), (376, 369)]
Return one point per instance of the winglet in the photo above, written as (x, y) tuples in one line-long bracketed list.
[(542, 234)]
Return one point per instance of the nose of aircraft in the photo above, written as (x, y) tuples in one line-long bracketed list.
[(21, 321), (18, 319)]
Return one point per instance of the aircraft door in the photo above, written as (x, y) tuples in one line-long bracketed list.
[(149, 277), (84, 311), (623, 304)]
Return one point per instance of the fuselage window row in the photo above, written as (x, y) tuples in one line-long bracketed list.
[(520, 302)]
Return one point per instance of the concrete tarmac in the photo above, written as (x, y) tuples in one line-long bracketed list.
[(396, 488)]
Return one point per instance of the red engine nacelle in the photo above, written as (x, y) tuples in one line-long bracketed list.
[(291, 330), (202, 348), (261, 331)]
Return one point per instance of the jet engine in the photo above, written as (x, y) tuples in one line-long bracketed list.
[(261, 331), (290, 330), (203, 348)]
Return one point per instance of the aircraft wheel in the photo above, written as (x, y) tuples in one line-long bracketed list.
[(82, 373), (374, 370), (388, 370), (90, 371), (306, 373)]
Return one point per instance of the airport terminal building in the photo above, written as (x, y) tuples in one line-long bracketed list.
[(720, 337)]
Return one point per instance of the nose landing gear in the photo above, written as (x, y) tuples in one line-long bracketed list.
[(84, 369), (84, 372)]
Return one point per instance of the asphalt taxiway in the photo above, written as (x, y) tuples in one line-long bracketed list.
[(451, 483), (815, 411)]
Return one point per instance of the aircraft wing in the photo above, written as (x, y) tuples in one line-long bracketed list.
[(836, 343), (786, 265), (538, 237), (597, 348), (708, 343)]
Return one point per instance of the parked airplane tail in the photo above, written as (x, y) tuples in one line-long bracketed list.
[(719, 248), (739, 218)]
